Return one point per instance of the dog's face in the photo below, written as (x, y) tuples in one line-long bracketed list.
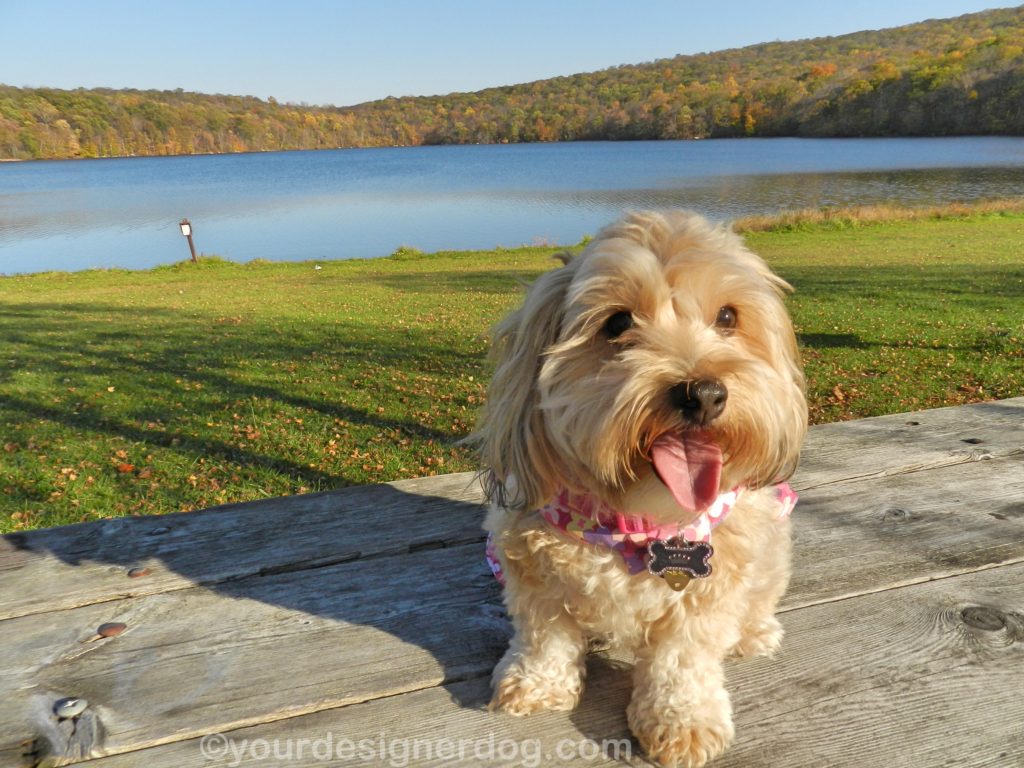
[(658, 366)]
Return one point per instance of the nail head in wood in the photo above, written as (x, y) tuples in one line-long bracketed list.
[(69, 707), (111, 629)]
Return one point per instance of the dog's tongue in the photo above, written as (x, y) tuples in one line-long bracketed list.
[(690, 465)]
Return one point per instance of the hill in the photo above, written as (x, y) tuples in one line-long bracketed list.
[(941, 77)]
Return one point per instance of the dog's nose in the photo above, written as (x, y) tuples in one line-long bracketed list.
[(701, 401)]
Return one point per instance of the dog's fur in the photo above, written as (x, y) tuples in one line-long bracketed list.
[(572, 406)]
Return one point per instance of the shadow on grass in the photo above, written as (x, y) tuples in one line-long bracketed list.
[(86, 423), (48, 337), (833, 341), (924, 286), (498, 282), (165, 380)]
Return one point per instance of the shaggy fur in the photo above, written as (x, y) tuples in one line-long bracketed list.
[(573, 405)]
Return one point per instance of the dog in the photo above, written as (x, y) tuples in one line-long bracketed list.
[(647, 405)]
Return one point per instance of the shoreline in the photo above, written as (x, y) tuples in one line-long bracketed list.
[(781, 137), (881, 214), (807, 219)]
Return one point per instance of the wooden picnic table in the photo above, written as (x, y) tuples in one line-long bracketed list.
[(355, 626)]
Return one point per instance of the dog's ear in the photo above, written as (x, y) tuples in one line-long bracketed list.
[(793, 427), (512, 439), (791, 415)]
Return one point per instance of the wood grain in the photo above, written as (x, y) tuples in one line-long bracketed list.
[(917, 677), (910, 442), (203, 660), (267, 647), (874, 534), (69, 566)]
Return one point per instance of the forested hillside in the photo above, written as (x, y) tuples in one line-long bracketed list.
[(946, 77)]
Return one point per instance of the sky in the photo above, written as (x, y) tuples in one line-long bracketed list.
[(350, 51)]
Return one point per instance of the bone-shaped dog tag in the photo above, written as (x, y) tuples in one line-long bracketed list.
[(678, 561)]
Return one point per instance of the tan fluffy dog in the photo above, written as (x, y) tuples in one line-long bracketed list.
[(647, 376)]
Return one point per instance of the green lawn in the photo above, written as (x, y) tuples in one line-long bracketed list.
[(184, 387)]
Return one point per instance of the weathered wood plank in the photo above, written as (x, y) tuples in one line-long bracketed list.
[(874, 534), (264, 647), (916, 677), (81, 564), (78, 565), (426, 724), (927, 675), (910, 442), (208, 659)]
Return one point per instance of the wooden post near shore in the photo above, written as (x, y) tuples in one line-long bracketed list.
[(186, 230)]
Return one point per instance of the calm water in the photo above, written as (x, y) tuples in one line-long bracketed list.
[(367, 202)]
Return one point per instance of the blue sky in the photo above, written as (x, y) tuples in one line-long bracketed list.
[(346, 52)]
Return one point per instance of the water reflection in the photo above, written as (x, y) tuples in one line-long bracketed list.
[(358, 203), (729, 197)]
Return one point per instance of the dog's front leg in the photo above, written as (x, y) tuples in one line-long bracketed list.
[(680, 711), (543, 667)]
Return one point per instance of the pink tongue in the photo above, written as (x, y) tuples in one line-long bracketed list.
[(691, 466)]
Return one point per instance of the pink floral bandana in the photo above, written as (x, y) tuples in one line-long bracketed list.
[(582, 516)]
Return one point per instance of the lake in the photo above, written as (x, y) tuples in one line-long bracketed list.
[(338, 204)]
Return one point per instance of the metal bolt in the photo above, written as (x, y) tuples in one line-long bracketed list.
[(69, 707)]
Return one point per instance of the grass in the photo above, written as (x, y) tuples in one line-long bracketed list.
[(189, 386), (845, 218)]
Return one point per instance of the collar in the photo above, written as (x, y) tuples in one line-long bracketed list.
[(685, 546), (587, 518)]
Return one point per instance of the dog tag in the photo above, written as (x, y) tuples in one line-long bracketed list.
[(678, 561), (677, 579)]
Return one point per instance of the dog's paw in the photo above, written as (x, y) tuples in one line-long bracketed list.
[(760, 639), (686, 736), (679, 744), (517, 694)]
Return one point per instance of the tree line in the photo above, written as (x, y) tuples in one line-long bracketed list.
[(941, 77)]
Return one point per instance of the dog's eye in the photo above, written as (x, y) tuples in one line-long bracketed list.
[(618, 324), (727, 318)]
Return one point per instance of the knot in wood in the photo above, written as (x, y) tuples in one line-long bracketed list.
[(896, 515), (984, 618)]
